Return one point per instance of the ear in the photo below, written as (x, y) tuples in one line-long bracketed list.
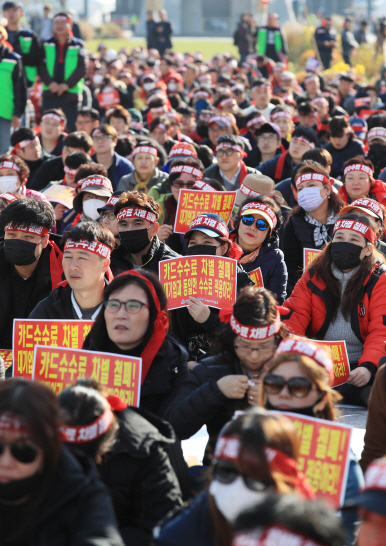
[(156, 161), (45, 241), (155, 228), (224, 249)]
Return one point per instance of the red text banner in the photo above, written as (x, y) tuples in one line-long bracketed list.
[(191, 203), (341, 362), (309, 255), (60, 367), (108, 98), (257, 277), (323, 456), (212, 279), (30, 332), (6, 355)]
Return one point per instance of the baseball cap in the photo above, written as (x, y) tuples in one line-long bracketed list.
[(359, 126), (210, 224), (378, 133), (269, 127), (254, 185), (366, 205), (111, 202), (96, 184)]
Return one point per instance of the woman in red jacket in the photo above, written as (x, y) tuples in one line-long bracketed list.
[(341, 297), (358, 181)]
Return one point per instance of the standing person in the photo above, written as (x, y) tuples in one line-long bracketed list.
[(163, 32), (349, 43), (271, 41), (325, 37), (243, 36), (63, 70), (47, 495), (46, 23), (13, 84), (24, 41), (150, 29), (360, 34)]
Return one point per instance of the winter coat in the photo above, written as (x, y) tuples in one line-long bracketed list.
[(138, 473), (120, 167), (310, 312), (298, 234), (129, 183), (278, 168), (51, 169), (77, 510), (352, 149), (377, 192), (167, 372), (120, 258), (214, 172)]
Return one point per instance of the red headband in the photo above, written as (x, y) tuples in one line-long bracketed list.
[(374, 133), (88, 433), (201, 185), (256, 119), (228, 145), (320, 100), (158, 110), (31, 228), (312, 176), (68, 170), (160, 328), (358, 227), (221, 119), (53, 116), (281, 114), (182, 151), (63, 18), (145, 150), (246, 191), (202, 95), (302, 139), (113, 199), (250, 332), (162, 127), (368, 204), (9, 165), (275, 535), (303, 346), (375, 476), (11, 422), (212, 223), (130, 212), (358, 167), (24, 143), (99, 181), (95, 247), (8, 197), (136, 125), (263, 208), (224, 103), (187, 169)]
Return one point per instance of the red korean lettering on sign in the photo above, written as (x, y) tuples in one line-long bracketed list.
[(212, 279), (341, 362), (108, 98), (191, 203), (257, 277), (309, 255), (6, 355), (61, 367), (30, 332)]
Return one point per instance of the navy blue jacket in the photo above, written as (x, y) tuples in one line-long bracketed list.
[(120, 167), (352, 149), (269, 168)]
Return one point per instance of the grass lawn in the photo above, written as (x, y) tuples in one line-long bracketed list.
[(207, 46)]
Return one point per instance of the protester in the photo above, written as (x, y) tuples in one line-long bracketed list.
[(160, 130), (131, 454), (243, 36), (261, 93), (358, 181), (342, 145), (349, 43), (87, 119), (52, 133), (47, 494), (271, 41), (326, 40), (27, 146), (268, 144), (105, 138), (13, 177), (108, 217), (146, 174), (94, 193), (376, 139)]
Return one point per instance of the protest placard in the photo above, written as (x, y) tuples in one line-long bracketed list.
[(191, 203), (30, 332), (108, 98), (60, 367), (309, 255), (323, 456), (60, 194), (257, 277), (341, 361), (6, 355), (212, 279)]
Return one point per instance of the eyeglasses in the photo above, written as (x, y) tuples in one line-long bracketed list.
[(249, 350), (102, 138), (227, 152), (181, 184), (132, 306), (109, 215), (226, 473), (24, 453), (261, 224), (299, 387)]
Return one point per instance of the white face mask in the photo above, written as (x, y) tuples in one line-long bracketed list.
[(233, 498), (97, 79), (90, 208), (148, 86), (172, 87), (9, 184), (310, 199)]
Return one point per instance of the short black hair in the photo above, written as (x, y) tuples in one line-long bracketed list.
[(91, 231), (75, 159), (260, 82), (307, 133), (318, 155), (23, 212), (232, 139), (23, 133), (91, 112), (89, 170), (78, 139)]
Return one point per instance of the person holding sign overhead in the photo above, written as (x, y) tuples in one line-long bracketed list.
[(299, 380), (86, 266), (341, 296), (30, 262), (256, 229)]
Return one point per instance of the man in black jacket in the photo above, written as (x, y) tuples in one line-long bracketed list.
[(30, 263), (137, 215), (27, 146), (86, 264)]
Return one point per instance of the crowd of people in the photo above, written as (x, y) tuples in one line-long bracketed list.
[(117, 135)]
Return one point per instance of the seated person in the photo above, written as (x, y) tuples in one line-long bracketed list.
[(343, 145), (52, 131), (146, 174), (94, 193), (27, 146)]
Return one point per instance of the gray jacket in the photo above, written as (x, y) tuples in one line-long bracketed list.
[(128, 182)]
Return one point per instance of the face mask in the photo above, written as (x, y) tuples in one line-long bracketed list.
[(134, 240), (172, 87), (148, 86), (310, 199), (97, 79), (91, 206), (19, 252), (233, 498), (18, 489), (307, 410), (346, 256), (9, 184), (202, 250)]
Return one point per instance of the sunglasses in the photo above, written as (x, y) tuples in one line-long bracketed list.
[(299, 387), (227, 474), (181, 184), (24, 453), (261, 224)]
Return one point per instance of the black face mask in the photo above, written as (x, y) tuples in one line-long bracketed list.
[(308, 410), (19, 252), (134, 240), (202, 250), (346, 256), (18, 489)]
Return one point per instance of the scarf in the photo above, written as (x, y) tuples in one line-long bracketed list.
[(142, 184), (320, 232), (246, 258)]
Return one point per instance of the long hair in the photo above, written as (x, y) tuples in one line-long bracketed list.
[(272, 236), (316, 374), (322, 269)]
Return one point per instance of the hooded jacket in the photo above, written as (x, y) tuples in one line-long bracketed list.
[(138, 473), (129, 183)]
